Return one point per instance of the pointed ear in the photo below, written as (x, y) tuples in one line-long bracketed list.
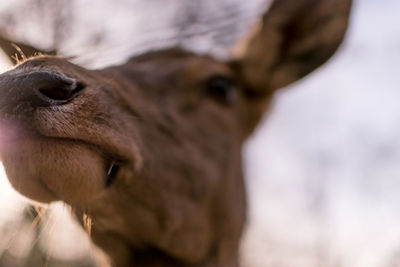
[(293, 38), (16, 51)]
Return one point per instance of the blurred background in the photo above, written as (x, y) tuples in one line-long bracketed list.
[(322, 170)]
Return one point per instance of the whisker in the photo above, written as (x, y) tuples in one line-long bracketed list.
[(46, 219), (50, 245), (40, 211), (87, 224)]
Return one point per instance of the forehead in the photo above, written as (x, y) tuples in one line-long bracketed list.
[(178, 65), (43, 62)]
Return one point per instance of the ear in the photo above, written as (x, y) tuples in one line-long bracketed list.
[(17, 51), (293, 39)]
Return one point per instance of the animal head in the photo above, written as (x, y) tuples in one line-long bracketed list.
[(151, 149)]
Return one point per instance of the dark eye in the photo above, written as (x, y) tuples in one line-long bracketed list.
[(222, 88)]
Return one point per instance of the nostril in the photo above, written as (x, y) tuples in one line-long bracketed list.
[(63, 92), (49, 88)]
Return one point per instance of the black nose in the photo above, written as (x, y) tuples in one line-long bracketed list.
[(38, 89)]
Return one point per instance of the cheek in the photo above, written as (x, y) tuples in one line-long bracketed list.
[(48, 170)]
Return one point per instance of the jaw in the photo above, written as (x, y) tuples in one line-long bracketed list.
[(50, 169)]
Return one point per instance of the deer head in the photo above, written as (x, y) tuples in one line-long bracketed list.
[(151, 149)]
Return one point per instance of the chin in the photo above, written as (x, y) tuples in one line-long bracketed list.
[(51, 169)]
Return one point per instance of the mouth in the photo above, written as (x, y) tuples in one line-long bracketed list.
[(46, 168), (111, 164), (112, 171)]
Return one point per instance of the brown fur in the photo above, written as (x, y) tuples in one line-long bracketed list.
[(179, 197)]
